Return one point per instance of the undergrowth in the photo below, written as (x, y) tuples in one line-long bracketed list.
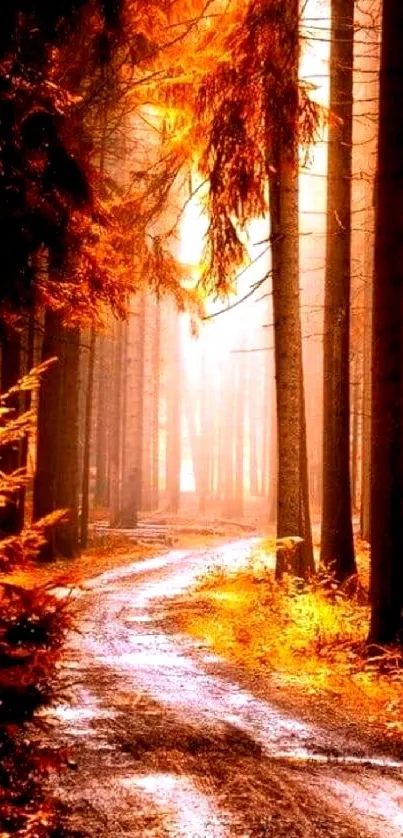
[(32, 625), (311, 636)]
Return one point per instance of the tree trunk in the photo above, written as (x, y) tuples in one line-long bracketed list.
[(12, 514), (272, 463), (254, 482), (366, 407), (337, 546), (287, 341), (305, 565), (292, 458), (101, 443), (115, 428), (228, 442), (239, 409), (190, 405), (44, 495), (133, 463), (284, 216), (85, 488), (156, 406), (387, 344), (124, 409), (56, 477), (67, 473), (28, 399), (174, 419), (355, 431), (205, 439)]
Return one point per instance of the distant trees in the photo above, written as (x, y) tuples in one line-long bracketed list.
[(387, 344)]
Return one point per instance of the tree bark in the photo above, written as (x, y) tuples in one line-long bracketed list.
[(239, 409), (228, 437), (156, 406), (292, 477), (282, 172), (85, 488), (56, 481), (174, 419), (44, 495), (272, 462), (205, 438), (133, 464), (387, 344), (287, 342), (355, 431), (255, 478), (305, 565), (337, 546), (101, 441), (67, 473), (12, 514), (366, 407), (116, 428)]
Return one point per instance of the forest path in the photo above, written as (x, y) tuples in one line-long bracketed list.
[(167, 742)]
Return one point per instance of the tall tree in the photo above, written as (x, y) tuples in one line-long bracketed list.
[(291, 433), (366, 401), (66, 535), (337, 546), (56, 484), (293, 513), (44, 496), (387, 343), (101, 432), (252, 142), (115, 409), (85, 483)]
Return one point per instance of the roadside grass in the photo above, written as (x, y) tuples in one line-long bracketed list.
[(312, 638)]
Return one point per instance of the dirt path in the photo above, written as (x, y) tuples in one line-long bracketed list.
[(164, 743)]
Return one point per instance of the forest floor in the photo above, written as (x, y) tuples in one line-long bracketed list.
[(166, 738)]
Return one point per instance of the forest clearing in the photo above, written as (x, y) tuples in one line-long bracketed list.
[(201, 418)]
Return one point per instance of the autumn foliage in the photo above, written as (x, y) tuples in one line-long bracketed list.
[(32, 626)]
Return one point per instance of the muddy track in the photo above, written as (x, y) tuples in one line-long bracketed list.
[(163, 742)]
